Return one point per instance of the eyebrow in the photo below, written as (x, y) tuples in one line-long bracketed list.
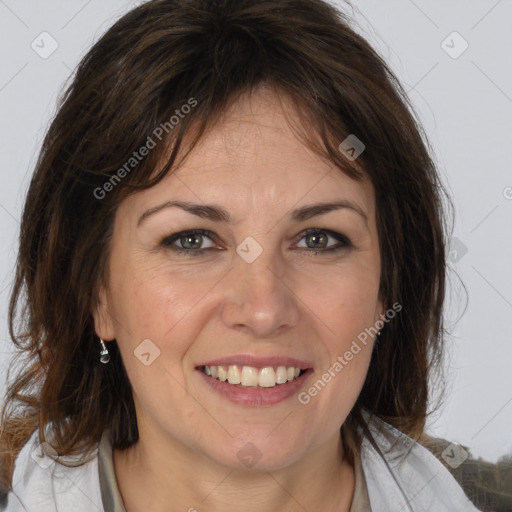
[(218, 214)]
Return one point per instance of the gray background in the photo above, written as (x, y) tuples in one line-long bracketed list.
[(464, 100)]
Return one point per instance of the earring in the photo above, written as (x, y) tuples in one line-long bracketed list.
[(104, 355)]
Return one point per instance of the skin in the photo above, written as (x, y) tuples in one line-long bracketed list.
[(288, 302)]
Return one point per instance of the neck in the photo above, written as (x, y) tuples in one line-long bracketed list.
[(322, 480)]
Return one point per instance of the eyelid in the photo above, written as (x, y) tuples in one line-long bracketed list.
[(169, 240), (340, 237)]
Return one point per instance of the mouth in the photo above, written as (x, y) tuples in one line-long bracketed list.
[(252, 381), (252, 376)]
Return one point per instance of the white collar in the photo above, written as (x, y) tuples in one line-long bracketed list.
[(409, 478)]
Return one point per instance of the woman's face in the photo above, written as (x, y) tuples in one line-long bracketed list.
[(252, 296)]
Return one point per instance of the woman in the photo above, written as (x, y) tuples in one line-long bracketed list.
[(231, 272)]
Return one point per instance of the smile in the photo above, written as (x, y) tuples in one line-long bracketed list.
[(251, 376), (261, 383)]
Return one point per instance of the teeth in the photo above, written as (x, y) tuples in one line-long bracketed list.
[(281, 375), (267, 377), (234, 375), (223, 374), (250, 376)]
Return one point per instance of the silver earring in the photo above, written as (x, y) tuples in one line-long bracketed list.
[(104, 355)]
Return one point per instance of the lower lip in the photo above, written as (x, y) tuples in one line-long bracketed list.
[(256, 396)]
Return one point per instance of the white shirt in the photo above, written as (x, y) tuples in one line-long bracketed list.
[(408, 479)]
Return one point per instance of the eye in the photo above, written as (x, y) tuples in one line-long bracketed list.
[(319, 238), (190, 242)]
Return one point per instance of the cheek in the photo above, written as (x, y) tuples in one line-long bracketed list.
[(158, 303), (151, 309), (347, 311), (149, 299), (346, 303)]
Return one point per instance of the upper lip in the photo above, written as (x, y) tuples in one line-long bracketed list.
[(257, 362)]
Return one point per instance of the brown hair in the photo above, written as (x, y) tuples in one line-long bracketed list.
[(155, 59)]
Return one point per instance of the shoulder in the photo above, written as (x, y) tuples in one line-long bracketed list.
[(43, 483), (489, 485), (401, 474)]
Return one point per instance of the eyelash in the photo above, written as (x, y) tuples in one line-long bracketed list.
[(168, 241)]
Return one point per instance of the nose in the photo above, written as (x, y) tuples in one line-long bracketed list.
[(259, 297)]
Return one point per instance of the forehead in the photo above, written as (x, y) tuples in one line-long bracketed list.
[(251, 158)]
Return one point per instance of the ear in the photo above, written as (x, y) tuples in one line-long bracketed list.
[(103, 320)]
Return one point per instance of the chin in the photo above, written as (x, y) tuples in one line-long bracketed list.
[(260, 452)]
